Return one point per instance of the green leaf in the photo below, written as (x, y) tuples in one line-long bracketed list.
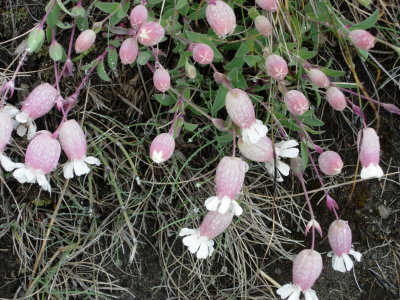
[(112, 58), (237, 62), (190, 127), (181, 4), (165, 99), (224, 139), (367, 23), (78, 11), (102, 72), (365, 3), (64, 9), (56, 51), (120, 14), (309, 119), (332, 73), (253, 13), (143, 58), (304, 154), (243, 50), (198, 13), (35, 40), (63, 25), (252, 60), (82, 23), (196, 37), (52, 18), (107, 7), (305, 54), (219, 101)]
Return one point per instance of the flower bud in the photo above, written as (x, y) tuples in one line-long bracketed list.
[(41, 158), (128, 51), (221, 18), (296, 102), (162, 147), (263, 25), (276, 67), (369, 154), (362, 39), (200, 241), (38, 103), (56, 51), (203, 54), (161, 80), (306, 269), (73, 143), (85, 40), (190, 71), (268, 5), (340, 240), (150, 34), (6, 129), (259, 152), (336, 98), (240, 109), (138, 16), (318, 78), (35, 40), (229, 181), (330, 163)]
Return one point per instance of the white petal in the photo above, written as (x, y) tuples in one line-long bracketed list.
[(372, 171), (210, 245), (295, 295), (31, 130), (68, 169), (348, 262), (290, 153), (286, 290), (287, 144), (310, 294), (21, 130), (20, 175), (157, 157), (237, 209), (338, 264), (283, 168), (80, 167), (187, 231), (22, 117), (225, 204), (330, 254), (30, 175), (92, 160), (356, 255), (42, 181), (203, 251), (11, 110), (270, 166), (7, 163), (212, 203), (261, 129)]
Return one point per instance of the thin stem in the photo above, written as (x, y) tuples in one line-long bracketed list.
[(301, 179)]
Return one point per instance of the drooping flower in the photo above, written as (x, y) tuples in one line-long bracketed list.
[(362, 39), (200, 241), (128, 51), (41, 158), (340, 240), (138, 16), (263, 25), (296, 103), (6, 129), (318, 78), (285, 149), (73, 143), (336, 98), (268, 5), (276, 67), (240, 109), (221, 18), (85, 40), (38, 103), (229, 181), (161, 80), (150, 34), (330, 163), (162, 147), (306, 269), (369, 148), (203, 54), (262, 151)]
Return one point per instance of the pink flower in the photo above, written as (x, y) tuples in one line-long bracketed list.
[(240, 109), (330, 163), (369, 153), (161, 80), (128, 51), (6, 129), (268, 5), (138, 16), (203, 54), (262, 151), (276, 67), (362, 39), (336, 98), (85, 40), (229, 181), (340, 239), (38, 103), (150, 34), (263, 25), (41, 158), (162, 147), (318, 78), (200, 241), (306, 269), (73, 142), (221, 18), (296, 102)]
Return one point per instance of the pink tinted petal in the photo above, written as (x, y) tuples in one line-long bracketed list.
[(73, 140), (306, 268), (150, 34), (259, 152), (362, 39), (263, 25), (162, 147), (203, 54), (318, 78), (229, 177), (296, 102), (276, 67), (138, 16), (85, 40), (40, 101), (370, 148), (268, 5), (240, 108), (336, 98), (215, 223), (161, 80), (128, 51), (340, 237), (330, 163), (221, 18)]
